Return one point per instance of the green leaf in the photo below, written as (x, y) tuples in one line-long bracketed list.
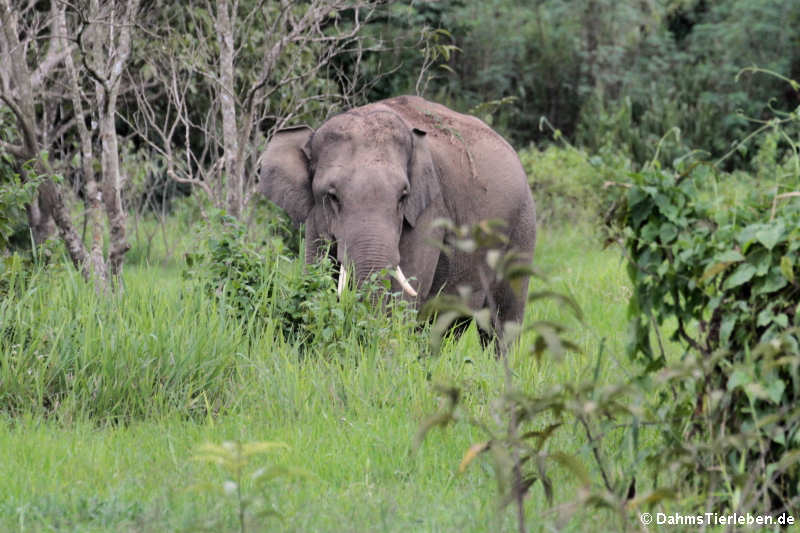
[(770, 234), (726, 328), (650, 231), (774, 281), (761, 259), (729, 256), (747, 235), (775, 390), (739, 378), (756, 391), (639, 212), (764, 317), (571, 463), (668, 233), (787, 268), (666, 207), (743, 273)]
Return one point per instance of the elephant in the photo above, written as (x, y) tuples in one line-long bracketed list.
[(371, 181)]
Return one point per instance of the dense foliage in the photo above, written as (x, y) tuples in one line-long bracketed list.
[(605, 73), (267, 285), (14, 192), (569, 184), (717, 261)]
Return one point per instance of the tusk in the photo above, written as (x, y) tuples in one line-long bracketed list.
[(404, 282), (342, 280)]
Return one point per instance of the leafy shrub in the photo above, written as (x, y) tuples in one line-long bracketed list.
[(271, 226), (731, 269), (722, 265), (229, 266), (567, 184), (14, 195), (269, 283)]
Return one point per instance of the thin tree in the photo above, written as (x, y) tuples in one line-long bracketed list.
[(31, 56), (46, 59), (104, 43)]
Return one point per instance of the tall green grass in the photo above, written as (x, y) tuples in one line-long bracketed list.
[(157, 347), (105, 402)]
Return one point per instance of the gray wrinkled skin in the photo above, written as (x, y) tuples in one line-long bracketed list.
[(373, 179)]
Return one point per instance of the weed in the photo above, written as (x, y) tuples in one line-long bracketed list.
[(234, 459)]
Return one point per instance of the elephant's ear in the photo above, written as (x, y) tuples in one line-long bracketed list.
[(285, 176), (423, 179)]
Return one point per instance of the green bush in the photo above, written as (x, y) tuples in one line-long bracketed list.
[(724, 268), (14, 195), (229, 266), (568, 185), (270, 285)]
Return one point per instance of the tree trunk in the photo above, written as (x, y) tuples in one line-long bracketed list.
[(112, 193), (73, 242), (40, 220), (106, 91), (92, 200), (49, 204), (234, 186)]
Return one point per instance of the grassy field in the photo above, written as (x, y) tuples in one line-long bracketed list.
[(107, 404)]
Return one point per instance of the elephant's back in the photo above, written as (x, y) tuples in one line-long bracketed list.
[(447, 130)]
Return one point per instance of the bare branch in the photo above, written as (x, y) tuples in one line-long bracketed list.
[(240, 100), (25, 125), (57, 51), (14, 149), (85, 25)]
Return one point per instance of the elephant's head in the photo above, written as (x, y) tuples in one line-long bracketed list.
[(361, 181)]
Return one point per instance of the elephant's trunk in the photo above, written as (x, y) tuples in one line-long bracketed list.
[(370, 252)]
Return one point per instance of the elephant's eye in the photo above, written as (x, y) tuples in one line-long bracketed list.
[(330, 199), (403, 197)]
